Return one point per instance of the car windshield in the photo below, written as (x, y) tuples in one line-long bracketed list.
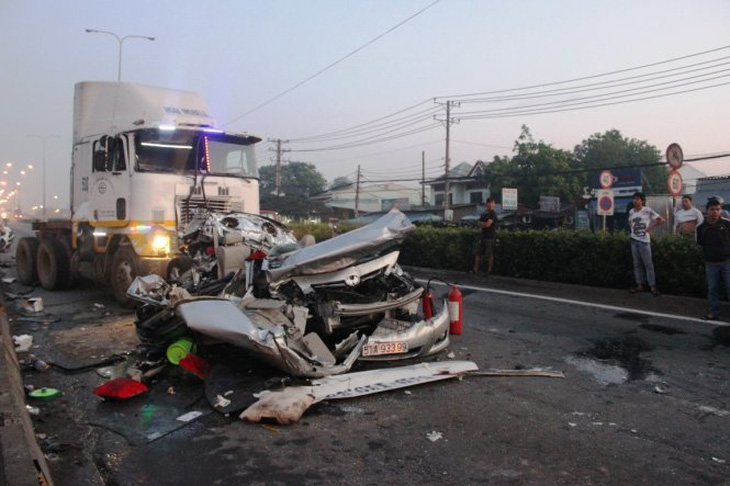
[(179, 150)]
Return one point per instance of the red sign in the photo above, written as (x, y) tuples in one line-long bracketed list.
[(675, 156), (675, 183)]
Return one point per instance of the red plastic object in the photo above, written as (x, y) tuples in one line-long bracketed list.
[(427, 303), (455, 311), (196, 365), (120, 389), (257, 255)]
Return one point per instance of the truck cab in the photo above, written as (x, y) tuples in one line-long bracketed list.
[(143, 158)]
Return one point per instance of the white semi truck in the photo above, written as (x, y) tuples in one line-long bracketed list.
[(143, 159)]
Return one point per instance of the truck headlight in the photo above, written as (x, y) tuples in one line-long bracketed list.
[(161, 243)]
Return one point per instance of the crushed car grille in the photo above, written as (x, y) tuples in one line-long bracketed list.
[(185, 206)]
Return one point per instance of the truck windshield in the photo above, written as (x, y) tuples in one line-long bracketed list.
[(181, 151)]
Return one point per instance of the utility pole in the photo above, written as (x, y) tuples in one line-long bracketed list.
[(447, 183), (423, 178), (357, 193), (279, 151)]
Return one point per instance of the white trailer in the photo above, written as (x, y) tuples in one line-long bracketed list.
[(143, 158)]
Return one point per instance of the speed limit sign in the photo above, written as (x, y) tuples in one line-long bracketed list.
[(675, 183)]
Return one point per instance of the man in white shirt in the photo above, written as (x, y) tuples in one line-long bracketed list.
[(642, 220), (687, 218)]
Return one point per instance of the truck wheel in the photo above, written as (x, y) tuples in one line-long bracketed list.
[(125, 269), (54, 267), (177, 267), (25, 258)]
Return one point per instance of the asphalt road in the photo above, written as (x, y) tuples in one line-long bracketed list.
[(645, 400)]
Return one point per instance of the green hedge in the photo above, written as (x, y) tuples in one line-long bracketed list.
[(601, 260)]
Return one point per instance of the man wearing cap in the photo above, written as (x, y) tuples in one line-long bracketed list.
[(687, 217)]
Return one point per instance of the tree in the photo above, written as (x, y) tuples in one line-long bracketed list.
[(611, 149), (537, 169), (340, 182), (299, 180)]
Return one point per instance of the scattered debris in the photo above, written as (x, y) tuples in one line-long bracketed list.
[(434, 436), (719, 461), (22, 343), (171, 390), (536, 372), (196, 365), (451, 355), (660, 390), (38, 363), (288, 405), (44, 394), (32, 410), (408, 392), (572, 424), (9, 280), (222, 402), (32, 305), (189, 416), (120, 389)]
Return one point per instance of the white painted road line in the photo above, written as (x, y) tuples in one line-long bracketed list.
[(584, 304)]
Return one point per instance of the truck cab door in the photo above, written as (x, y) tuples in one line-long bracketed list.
[(109, 182)]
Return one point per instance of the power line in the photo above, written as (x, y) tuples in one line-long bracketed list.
[(593, 76), (559, 110), (333, 64)]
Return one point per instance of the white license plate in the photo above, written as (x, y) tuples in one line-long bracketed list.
[(380, 349)]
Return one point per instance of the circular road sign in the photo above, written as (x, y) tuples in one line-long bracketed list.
[(675, 183), (675, 156), (606, 204), (606, 179)]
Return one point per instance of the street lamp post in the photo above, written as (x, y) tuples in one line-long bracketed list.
[(43, 169), (120, 40)]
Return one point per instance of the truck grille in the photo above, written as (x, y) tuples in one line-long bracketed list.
[(185, 207)]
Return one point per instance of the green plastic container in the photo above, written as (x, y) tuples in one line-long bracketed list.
[(179, 349)]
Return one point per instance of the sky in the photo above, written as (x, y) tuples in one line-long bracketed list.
[(356, 63)]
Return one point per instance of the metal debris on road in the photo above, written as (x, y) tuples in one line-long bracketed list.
[(22, 343), (288, 405)]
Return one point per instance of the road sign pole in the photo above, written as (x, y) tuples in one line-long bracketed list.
[(604, 224)]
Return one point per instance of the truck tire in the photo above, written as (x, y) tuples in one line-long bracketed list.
[(25, 258), (124, 269), (73, 266), (54, 266)]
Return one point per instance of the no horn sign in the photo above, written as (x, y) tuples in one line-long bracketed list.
[(605, 202)]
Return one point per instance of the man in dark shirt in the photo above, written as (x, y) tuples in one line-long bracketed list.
[(488, 224), (713, 236)]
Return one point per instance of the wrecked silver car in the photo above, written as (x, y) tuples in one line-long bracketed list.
[(312, 311)]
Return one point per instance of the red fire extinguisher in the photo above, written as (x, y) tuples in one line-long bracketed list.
[(455, 310), (427, 303)]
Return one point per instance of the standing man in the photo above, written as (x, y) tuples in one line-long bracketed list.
[(713, 236), (687, 218), (488, 223), (642, 220)]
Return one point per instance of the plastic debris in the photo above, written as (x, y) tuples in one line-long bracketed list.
[(120, 389), (39, 364), (221, 402), (195, 365), (433, 436), (22, 343), (45, 394), (189, 416), (451, 355), (32, 305), (35, 410)]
